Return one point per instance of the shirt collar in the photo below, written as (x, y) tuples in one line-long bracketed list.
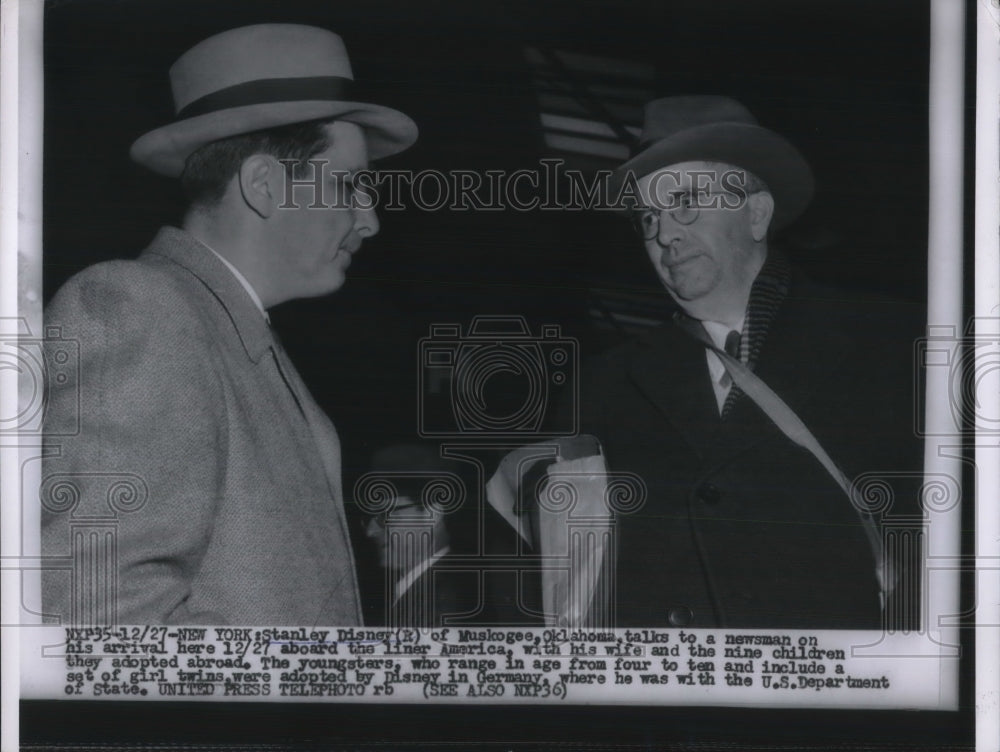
[(718, 332), (242, 280)]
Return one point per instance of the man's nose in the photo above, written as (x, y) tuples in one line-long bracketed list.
[(669, 230), (373, 529), (366, 222)]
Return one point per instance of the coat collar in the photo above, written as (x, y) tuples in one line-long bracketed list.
[(799, 360), (798, 357), (184, 250)]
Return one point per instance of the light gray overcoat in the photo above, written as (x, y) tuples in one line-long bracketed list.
[(191, 477)]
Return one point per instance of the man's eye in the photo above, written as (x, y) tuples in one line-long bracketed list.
[(343, 189), (681, 200)]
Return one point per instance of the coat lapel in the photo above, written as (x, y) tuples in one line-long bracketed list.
[(802, 352), (256, 336), (182, 249), (670, 369), (313, 428), (799, 356), (799, 359), (327, 443)]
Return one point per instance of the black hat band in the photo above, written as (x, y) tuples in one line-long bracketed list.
[(268, 90)]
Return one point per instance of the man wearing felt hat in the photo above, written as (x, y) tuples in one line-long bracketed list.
[(198, 444), (755, 413)]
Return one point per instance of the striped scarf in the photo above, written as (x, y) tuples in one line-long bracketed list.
[(766, 296)]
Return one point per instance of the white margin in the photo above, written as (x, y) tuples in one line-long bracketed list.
[(10, 524), (945, 266), (21, 103), (945, 280)]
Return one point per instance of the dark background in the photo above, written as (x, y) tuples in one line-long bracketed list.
[(846, 82)]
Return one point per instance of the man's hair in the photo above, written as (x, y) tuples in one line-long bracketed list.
[(208, 170)]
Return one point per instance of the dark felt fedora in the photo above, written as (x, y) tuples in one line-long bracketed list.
[(263, 76), (720, 129)]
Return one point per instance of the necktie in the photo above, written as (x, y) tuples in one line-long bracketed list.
[(732, 348)]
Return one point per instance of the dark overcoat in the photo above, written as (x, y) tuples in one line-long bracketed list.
[(740, 526)]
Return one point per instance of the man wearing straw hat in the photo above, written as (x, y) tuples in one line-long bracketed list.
[(204, 483), (771, 419)]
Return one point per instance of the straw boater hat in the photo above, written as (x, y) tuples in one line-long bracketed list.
[(264, 76), (719, 129)]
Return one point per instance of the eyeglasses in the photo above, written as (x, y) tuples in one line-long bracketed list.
[(684, 208)]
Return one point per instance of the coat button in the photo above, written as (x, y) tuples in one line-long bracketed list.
[(709, 493), (680, 616)]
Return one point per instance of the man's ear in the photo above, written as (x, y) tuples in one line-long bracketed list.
[(258, 181), (761, 206)]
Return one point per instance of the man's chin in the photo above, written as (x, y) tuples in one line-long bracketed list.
[(687, 291), (326, 285)]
